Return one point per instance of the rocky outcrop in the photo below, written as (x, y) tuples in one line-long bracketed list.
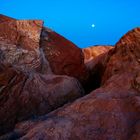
[(110, 112), (125, 57), (19, 43), (32, 96), (4, 18), (91, 53)]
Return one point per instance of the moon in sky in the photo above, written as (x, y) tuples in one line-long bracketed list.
[(93, 25)]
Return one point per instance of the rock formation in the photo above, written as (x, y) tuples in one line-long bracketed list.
[(63, 56), (29, 46), (19, 43), (91, 53), (26, 95), (28, 87), (110, 112), (94, 59)]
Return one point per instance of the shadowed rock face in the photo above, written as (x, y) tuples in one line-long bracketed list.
[(108, 113), (95, 61), (64, 57)]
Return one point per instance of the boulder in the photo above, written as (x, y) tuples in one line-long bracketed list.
[(27, 95)]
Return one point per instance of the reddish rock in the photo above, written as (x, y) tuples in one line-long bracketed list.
[(108, 113), (111, 112), (25, 95), (64, 57), (125, 57), (19, 43), (21, 46), (24, 90), (4, 18), (91, 53), (136, 135)]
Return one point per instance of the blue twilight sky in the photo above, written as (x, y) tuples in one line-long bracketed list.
[(74, 18)]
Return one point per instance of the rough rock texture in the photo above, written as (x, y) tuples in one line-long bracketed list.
[(4, 18), (91, 53), (64, 57), (111, 112), (25, 95), (28, 87), (125, 57), (19, 43), (95, 55), (102, 115), (31, 54)]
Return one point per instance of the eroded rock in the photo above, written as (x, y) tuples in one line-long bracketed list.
[(4, 18), (110, 112), (28, 45), (26, 95), (19, 43), (91, 53)]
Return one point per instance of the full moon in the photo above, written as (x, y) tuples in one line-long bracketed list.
[(93, 25)]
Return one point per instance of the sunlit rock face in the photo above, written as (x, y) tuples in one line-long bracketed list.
[(35, 68), (19, 43), (110, 112), (91, 53)]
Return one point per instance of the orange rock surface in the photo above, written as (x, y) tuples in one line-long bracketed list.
[(64, 57), (92, 52)]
